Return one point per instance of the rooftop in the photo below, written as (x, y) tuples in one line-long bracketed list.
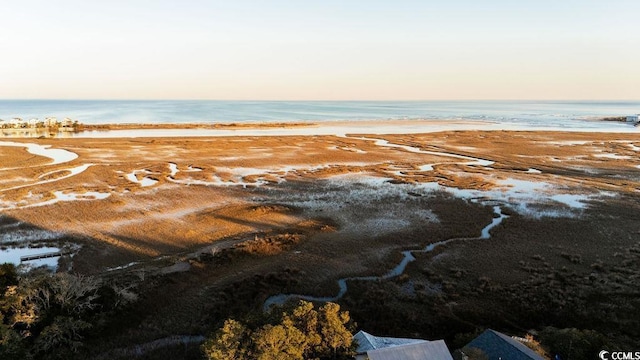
[(368, 342), (497, 345)]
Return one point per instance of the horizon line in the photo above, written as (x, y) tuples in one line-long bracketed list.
[(321, 100)]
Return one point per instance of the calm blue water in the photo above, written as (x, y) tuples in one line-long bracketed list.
[(569, 114)]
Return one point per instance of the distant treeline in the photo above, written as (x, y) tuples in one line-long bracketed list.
[(49, 123)]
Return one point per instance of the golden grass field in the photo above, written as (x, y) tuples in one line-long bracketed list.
[(295, 213)]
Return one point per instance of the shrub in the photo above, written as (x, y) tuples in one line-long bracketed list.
[(574, 343)]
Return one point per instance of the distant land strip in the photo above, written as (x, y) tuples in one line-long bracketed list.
[(133, 126)]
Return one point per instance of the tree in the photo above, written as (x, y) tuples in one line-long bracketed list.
[(302, 333), (280, 342), (335, 335), (305, 318), (73, 294), (62, 338), (574, 343), (11, 346), (229, 342), (48, 316), (8, 277)]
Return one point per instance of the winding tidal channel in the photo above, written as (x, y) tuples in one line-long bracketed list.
[(408, 256)]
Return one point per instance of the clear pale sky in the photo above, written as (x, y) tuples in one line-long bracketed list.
[(330, 49)]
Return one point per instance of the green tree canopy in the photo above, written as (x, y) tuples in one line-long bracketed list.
[(229, 342), (48, 316), (302, 333)]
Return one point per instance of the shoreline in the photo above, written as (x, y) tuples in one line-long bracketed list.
[(330, 127), (164, 126), (334, 127)]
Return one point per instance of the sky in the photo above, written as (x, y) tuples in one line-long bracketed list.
[(320, 50)]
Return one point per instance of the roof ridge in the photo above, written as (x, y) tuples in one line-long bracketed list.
[(500, 335)]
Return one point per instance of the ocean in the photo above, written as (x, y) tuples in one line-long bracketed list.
[(522, 114)]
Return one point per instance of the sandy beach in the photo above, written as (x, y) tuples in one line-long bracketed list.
[(298, 213)]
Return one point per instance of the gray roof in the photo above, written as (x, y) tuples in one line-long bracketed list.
[(428, 350), (497, 345), (368, 342)]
